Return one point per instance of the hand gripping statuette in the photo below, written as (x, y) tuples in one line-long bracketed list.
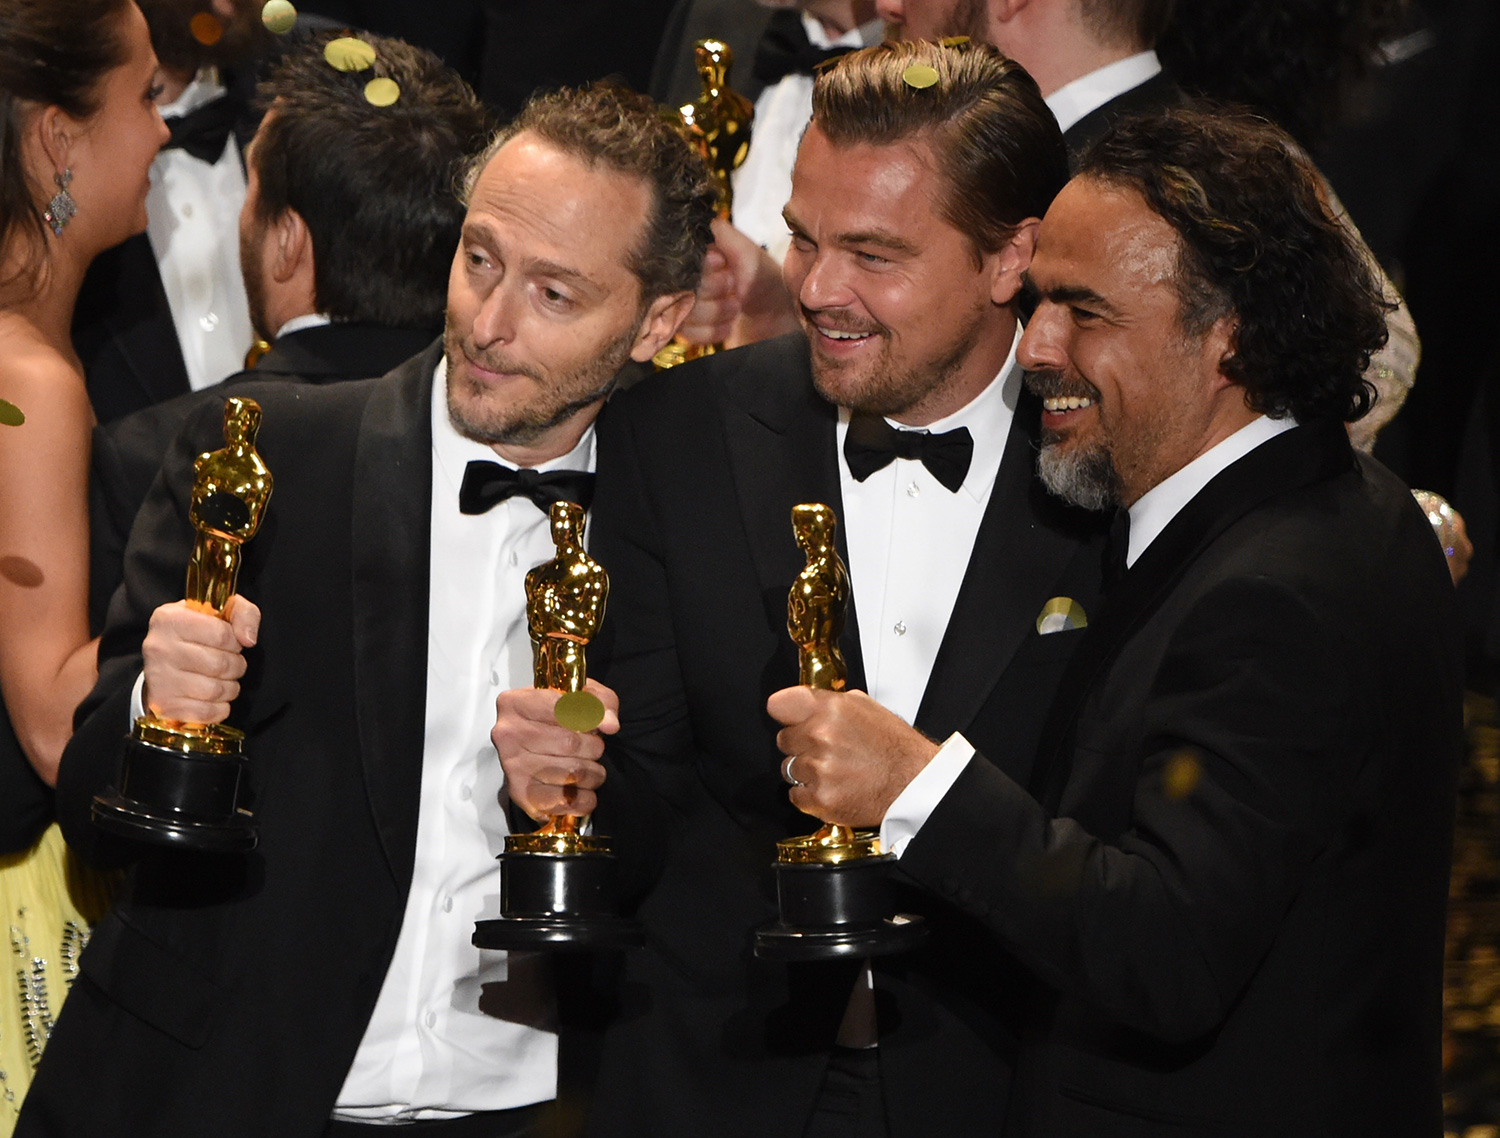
[(832, 886), (181, 784), (557, 884)]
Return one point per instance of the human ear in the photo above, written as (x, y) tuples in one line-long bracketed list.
[(664, 316), (1008, 264)]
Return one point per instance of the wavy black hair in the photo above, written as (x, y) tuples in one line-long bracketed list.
[(1258, 243)]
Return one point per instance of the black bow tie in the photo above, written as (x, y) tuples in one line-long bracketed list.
[(203, 132), (784, 49), (872, 443), (488, 483)]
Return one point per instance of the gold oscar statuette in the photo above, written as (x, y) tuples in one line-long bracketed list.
[(833, 894), (180, 782), (558, 884), (717, 123)]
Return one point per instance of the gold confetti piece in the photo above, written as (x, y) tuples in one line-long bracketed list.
[(10, 414), (278, 16), (349, 54), (206, 28), (954, 41), (382, 92), (1061, 614), (578, 711), (1181, 775), (920, 76)]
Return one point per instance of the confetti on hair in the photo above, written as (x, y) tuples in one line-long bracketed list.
[(954, 41), (920, 76), (279, 16), (206, 28), (11, 415), (382, 92), (349, 54)]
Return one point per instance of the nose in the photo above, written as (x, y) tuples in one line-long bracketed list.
[(822, 285), (1042, 345), (495, 322)]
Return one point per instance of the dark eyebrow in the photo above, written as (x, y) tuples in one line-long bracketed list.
[(563, 273), (1070, 294), (873, 237)]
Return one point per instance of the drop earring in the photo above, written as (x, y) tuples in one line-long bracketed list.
[(62, 208)]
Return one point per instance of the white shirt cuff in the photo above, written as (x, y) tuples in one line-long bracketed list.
[(137, 700), (915, 804)]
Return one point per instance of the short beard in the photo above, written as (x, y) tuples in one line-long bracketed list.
[(1083, 477), (559, 400)]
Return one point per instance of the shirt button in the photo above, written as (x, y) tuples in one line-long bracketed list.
[(900, 629), (209, 322), (494, 678), (187, 209), (447, 904), (430, 1019), (465, 792), (912, 490), (514, 557)]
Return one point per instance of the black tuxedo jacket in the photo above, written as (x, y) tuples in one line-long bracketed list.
[(698, 472), (227, 995), (1234, 893), (128, 452), (1159, 93)]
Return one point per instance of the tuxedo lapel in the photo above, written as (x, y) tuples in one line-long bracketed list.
[(1015, 560), (1297, 458), (391, 553), (781, 440)]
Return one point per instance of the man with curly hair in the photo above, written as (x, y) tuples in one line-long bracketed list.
[(1229, 877)]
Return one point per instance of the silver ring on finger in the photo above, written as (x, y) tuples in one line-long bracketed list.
[(786, 772)]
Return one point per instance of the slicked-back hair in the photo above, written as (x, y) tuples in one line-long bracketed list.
[(375, 185), (995, 144), (1128, 23), (608, 125), (1258, 244), (52, 53)]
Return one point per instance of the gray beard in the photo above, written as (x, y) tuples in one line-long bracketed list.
[(1085, 479)]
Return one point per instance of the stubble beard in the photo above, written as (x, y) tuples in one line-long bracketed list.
[(557, 401)]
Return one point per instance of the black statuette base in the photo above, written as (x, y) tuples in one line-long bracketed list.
[(836, 910), (559, 902), (177, 799)]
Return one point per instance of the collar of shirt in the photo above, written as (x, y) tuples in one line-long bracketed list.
[(204, 89), (1087, 93), (1155, 509), (302, 323), (988, 416), (452, 452), (865, 35)]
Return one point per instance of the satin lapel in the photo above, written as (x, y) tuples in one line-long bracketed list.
[(781, 440), (391, 552), (1015, 559), (1297, 458)]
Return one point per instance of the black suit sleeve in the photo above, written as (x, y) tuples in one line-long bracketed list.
[(155, 565), (25, 800), (651, 780), (1249, 733)]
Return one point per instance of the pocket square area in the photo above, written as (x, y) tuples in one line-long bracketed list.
[(1061, 614)]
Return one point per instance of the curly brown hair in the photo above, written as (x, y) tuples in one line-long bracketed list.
[(1258, 242), (610, 125)]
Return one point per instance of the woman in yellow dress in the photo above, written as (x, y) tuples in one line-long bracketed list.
[(78, 131)]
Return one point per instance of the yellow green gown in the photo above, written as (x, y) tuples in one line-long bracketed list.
[(48, 900)]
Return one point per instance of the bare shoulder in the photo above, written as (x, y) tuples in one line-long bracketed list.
[(45, 385)]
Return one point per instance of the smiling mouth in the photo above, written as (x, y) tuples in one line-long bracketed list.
[(1059, 403)]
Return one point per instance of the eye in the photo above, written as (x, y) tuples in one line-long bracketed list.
[(802, 243), (1082, 315), (154, 91), (556, 298), (871, 259)]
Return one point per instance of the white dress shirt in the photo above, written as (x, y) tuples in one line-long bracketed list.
[(193, 224), (1150, 515), (429, 1050), (763, 183), (1089, 92)]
